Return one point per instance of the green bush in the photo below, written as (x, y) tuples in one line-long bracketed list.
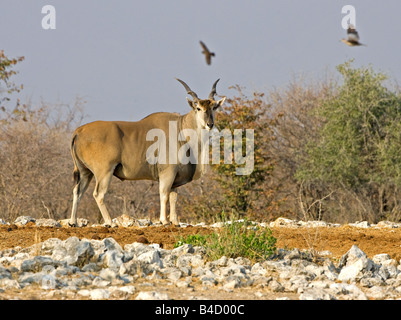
[(235, 239), (356, 150), (194, 240)]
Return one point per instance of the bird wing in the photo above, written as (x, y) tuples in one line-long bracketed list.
[(204, 46), (208, 59)]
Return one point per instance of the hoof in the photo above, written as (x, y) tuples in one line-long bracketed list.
[(165, 224), (72, 225), (112, 225)]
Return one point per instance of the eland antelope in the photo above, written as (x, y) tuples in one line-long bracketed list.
[(106, 148)]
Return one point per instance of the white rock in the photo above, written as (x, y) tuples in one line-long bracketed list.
[(23, 220), (84, 292), (151, 257), (155, 246), (296, 283), (283, 222), (184, 249), (49, 245), (376, 292), (258, 269), (232, 284), (172, 274), (99, 294), (182, 284), (320, 284), (47, 223), (371, 281), (99, 282), (112, 244), (380, 258), (388, 224), (231, 269), (112, 259), (360, 224), (137, 248), (143, 222), (6, 283), (124, 220), (48, 282), (349, 291), (316, 294), (351, 272), (276, 286), (353, 264), (37, 263), (80, 222), (217, 225), (108, 274), (313, 224), (190, 260), (129, 289), (222, 262), (152, 295), (352, 256)]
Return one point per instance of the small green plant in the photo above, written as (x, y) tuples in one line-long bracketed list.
[(194, 240), (237, 238)]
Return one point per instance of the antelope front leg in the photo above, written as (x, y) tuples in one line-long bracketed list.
[(163, 207), (164, 190), (173, 212), (166, 179)]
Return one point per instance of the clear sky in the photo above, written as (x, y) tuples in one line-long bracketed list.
[(122, 56)]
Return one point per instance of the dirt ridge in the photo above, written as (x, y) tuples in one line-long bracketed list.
[(331, 241)]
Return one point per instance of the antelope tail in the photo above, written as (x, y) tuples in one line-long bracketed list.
[(76, 175)]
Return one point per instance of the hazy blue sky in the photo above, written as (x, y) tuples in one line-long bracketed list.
[(123, 56)]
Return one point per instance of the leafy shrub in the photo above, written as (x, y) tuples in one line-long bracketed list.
[(237, 238), (357, 147), (194, 240)]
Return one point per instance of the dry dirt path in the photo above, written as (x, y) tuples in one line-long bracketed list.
[(337, 240)]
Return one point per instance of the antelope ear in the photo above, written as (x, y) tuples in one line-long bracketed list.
[(219, 103), (191, 103)]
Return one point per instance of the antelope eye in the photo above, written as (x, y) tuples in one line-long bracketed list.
[(199, 109)]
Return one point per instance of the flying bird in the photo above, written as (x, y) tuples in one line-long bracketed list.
[(353, 37), (207, 53)]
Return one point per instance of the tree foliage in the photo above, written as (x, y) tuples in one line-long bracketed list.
[(7, 87), (357, 147), (241, 192)]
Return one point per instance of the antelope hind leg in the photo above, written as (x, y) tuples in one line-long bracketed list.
[(79, 189), (102, 185)]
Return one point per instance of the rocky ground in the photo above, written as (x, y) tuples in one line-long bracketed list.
[(42, 259)]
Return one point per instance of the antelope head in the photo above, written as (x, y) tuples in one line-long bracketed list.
[(204, 108)]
